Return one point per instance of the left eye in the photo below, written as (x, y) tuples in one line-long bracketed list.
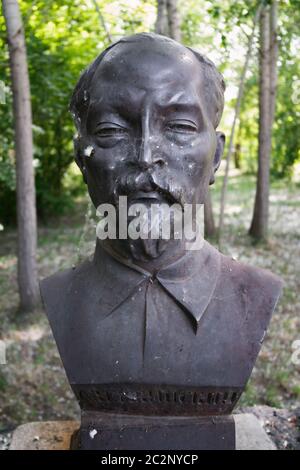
[(182, 127)]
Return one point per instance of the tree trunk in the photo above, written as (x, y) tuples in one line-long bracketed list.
[(259, 224), (26, 208), (237, 156), (102, 22), (161, 25), (273, 60), (236, 115), (173, 20), (209, 223)]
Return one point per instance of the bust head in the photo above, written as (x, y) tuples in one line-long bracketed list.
[(146, 111)]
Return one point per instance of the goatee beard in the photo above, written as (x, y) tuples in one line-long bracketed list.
[(146, 250), (148, 188), (151, 244)]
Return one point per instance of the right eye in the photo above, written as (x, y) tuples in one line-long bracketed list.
[(110, 131)]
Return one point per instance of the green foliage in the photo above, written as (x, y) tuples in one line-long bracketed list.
[(286, 137), (7, 161), (286, 141)]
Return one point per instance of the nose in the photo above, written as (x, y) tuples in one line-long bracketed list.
[(149, 154), (145, 152)]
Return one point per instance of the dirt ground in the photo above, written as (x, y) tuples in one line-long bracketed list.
[(33, 385)]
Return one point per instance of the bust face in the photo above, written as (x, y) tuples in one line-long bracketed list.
[(149, 131)]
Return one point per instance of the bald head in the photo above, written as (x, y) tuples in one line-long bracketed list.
[(147, 61)]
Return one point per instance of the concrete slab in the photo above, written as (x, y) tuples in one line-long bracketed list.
[(45, 435), (250, 435)]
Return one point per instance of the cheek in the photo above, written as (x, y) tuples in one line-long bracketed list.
[(191, 166), (100, 177), (194, 159), (103, 168), (105, 161)]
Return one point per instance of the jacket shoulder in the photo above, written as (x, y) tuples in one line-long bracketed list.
[(62, 288), (254, 277), (259, 288), (63, 280)]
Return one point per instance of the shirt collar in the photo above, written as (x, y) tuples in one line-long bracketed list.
[(190, 280)]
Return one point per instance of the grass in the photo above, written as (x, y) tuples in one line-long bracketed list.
[(33, 385)]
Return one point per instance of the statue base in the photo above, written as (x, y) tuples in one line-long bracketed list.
[(100, 431), (57, 435)]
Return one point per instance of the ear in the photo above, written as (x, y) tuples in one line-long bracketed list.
[(79, 157), (218, 155)]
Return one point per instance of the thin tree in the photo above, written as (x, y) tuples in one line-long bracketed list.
[(209, 222), (26, 205), (273, 59), (167, 20), (267, 99), (102, 21), (173, 20), (235, 120), (161, 25)]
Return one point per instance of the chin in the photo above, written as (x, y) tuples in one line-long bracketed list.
[(146, 250)]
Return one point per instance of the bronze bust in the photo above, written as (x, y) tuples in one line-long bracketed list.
[(148, 330)]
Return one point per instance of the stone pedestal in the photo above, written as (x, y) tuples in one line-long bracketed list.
[(56, 435)]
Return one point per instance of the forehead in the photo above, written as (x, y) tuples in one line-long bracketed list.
[(163, 71)]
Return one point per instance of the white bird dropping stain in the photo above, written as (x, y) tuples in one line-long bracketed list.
[(88, 151), (93, 433)]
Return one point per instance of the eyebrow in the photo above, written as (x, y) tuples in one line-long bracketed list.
[(181, 106), (170, 105)]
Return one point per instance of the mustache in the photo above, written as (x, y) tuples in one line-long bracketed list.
[(145, 181)]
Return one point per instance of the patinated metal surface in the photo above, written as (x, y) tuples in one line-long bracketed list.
[(147, 328), (121, 432)]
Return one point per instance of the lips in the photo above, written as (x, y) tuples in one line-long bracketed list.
[(146, 195)]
